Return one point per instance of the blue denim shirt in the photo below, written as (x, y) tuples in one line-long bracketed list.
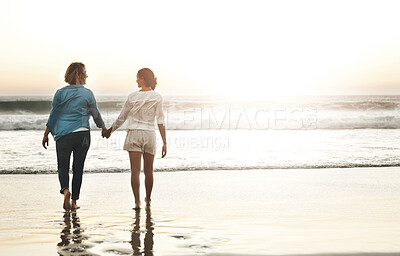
[(72, 107)]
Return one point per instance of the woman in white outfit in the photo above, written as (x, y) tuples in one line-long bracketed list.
[(141, 109)]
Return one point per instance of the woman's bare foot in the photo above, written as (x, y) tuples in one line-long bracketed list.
[(74, 206), (67, 197), (137, 206)]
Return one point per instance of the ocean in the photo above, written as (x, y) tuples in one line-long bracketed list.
[(221, 133)]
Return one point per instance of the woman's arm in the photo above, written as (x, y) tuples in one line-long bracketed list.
[(122, 116), (51, 120), (94, 111), (161, 128)]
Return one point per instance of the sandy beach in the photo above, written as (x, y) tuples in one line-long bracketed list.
[(255, 212)]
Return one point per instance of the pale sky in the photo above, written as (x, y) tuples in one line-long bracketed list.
[(240, 48)]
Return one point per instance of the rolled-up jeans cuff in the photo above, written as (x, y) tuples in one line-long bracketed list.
[(62, 190), (74, 198)]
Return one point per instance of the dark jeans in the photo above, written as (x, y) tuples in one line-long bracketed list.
[(78, 143)]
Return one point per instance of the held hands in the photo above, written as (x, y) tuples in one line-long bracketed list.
[(106, 132)]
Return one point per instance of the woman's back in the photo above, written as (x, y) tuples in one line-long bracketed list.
[(72, 107), (140, 110), (74, 100)]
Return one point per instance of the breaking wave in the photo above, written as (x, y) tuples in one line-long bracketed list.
[(201, 113)]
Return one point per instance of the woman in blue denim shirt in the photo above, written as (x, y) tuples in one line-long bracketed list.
[(68, 122)]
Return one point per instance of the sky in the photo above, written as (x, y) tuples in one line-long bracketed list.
[(237, 48)]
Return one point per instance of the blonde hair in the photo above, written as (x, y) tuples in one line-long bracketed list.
[(74, 71)]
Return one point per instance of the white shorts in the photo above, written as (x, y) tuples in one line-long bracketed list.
[(141, 141)]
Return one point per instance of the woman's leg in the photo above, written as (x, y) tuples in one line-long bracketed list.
[(135, 159), (64, 149), (148, 175), (80, 149)]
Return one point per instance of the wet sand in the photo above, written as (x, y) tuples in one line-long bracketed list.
[(256, 212)]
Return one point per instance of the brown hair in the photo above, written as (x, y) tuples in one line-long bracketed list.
[(148, 77), (74, 70)]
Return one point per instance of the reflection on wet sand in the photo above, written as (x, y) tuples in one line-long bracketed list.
[(72, 243), (75, 243), (148, 238)]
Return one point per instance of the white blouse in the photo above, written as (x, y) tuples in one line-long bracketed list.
[(140, 109)]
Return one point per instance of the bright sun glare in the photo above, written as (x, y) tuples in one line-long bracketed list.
[(208, 47)]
